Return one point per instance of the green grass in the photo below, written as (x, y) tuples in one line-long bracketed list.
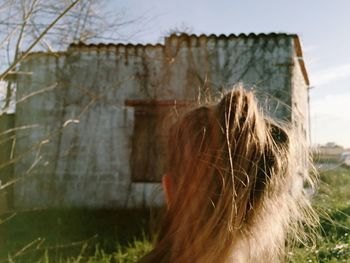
[(69, 235), (122, 236), (332, 201)]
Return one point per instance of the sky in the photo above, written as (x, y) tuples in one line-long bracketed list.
[(323, 27)]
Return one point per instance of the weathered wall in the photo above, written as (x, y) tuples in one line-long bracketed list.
[(80, 131), (300, 118), (7, 141), (300, 98), (217, 63), (81, 141)]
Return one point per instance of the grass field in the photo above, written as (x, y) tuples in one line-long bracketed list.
[(58, 235), (122, 236)]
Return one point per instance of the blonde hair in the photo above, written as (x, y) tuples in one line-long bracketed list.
[(237, 196)]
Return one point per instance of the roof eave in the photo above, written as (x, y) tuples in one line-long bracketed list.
[(299, 54)]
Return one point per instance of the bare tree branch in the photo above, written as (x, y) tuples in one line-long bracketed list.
[(36, 41)]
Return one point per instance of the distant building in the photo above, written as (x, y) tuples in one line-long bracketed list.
[(328, 152), (91, 120), (345, 158)]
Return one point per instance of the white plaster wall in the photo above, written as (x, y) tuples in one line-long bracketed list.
[(219, 63), (87, 129), (300, 116)]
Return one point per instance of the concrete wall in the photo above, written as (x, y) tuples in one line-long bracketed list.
[(77, 145), (300, 121), (217, 63), (7, 142)]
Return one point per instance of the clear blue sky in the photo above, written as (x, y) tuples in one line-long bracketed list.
[(323, 26)]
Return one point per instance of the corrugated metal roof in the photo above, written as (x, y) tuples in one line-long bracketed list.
[(233, 36), (212, 36), (299, 54), (107, 45)]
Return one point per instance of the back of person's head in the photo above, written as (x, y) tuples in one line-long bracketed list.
[(236, 196)]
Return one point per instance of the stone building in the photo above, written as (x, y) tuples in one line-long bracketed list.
[(90, 122)]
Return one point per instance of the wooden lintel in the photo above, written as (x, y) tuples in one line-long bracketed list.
[(164, 103)]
